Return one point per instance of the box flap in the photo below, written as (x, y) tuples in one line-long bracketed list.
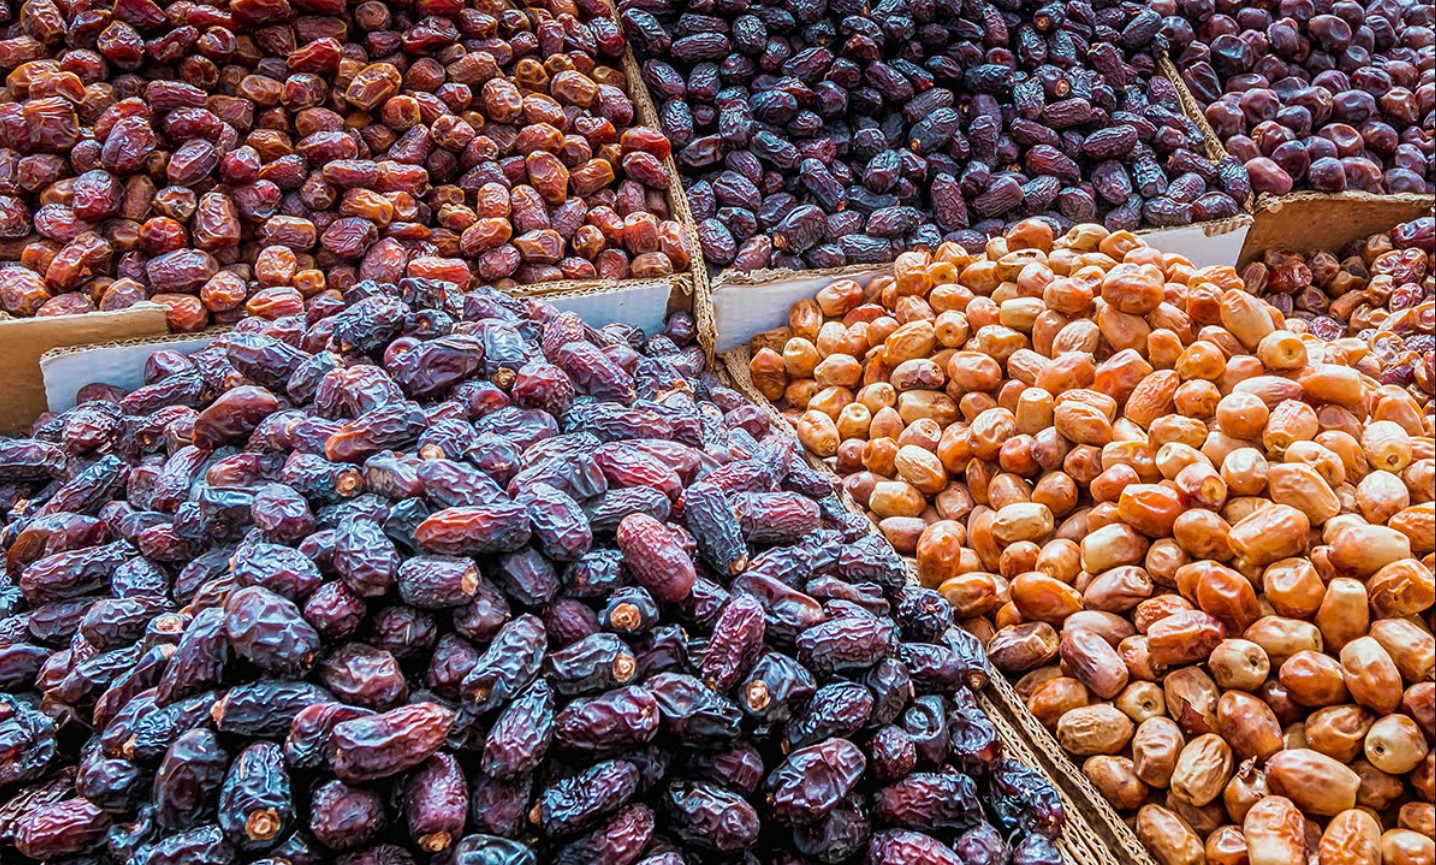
[(743, 306), (24, 340), (122, 364), (644, 305), (1205, 244), (1305, 221)]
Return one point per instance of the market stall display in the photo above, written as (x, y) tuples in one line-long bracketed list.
[(522, 592), (435, 534), (813, 135), (1200, 536), (222, 160)]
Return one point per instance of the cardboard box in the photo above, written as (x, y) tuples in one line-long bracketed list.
[(641, 304), (23, 341), (1305, 221), (1206, 244), (749, 303)]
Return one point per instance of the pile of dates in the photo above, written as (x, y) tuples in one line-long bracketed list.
[(1199, 539), (1381, 290), (459, 579), (1322, 95), (163, 152), (816, 134)]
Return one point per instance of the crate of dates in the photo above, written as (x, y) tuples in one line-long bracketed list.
[(1314, 96), (1379, 290), (223, 161), (343, 588), (818, 135), (1196, 535)]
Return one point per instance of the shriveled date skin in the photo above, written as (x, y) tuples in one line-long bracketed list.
[(813, 780), (491, 528), (655, 558), (577, 803), (710, 817), (900, 846), (379, 746), (610, 723)]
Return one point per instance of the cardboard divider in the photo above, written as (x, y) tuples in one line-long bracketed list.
[(645, 304), (749, 303), (1094, 832), (701, 307), (23, 341), (1305, 221)]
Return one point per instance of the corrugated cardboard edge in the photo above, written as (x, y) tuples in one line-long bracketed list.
[(769, 275), (677, 199), (1216, 150), (60, 390), (23, 341), (601, 304), (739, 311), (1095, 832), (1305, 221)]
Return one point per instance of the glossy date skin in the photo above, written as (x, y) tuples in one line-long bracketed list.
[(501, 651), (841, 135), (241, 163)]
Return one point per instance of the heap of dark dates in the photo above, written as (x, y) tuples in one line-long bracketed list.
[(458, 579), (1380, 290), (817, 134), (217, 158), (1325, 95)]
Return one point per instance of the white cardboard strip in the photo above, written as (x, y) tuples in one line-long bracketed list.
[(645, 306), (1202, 249), (119, 365), (740, 311)]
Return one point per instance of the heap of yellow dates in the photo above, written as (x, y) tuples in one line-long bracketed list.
[(1198, 536)]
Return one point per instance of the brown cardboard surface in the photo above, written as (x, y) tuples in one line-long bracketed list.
[(1305, 221), (24, 340)]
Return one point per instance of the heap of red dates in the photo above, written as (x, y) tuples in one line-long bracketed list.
[(222, 160)]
